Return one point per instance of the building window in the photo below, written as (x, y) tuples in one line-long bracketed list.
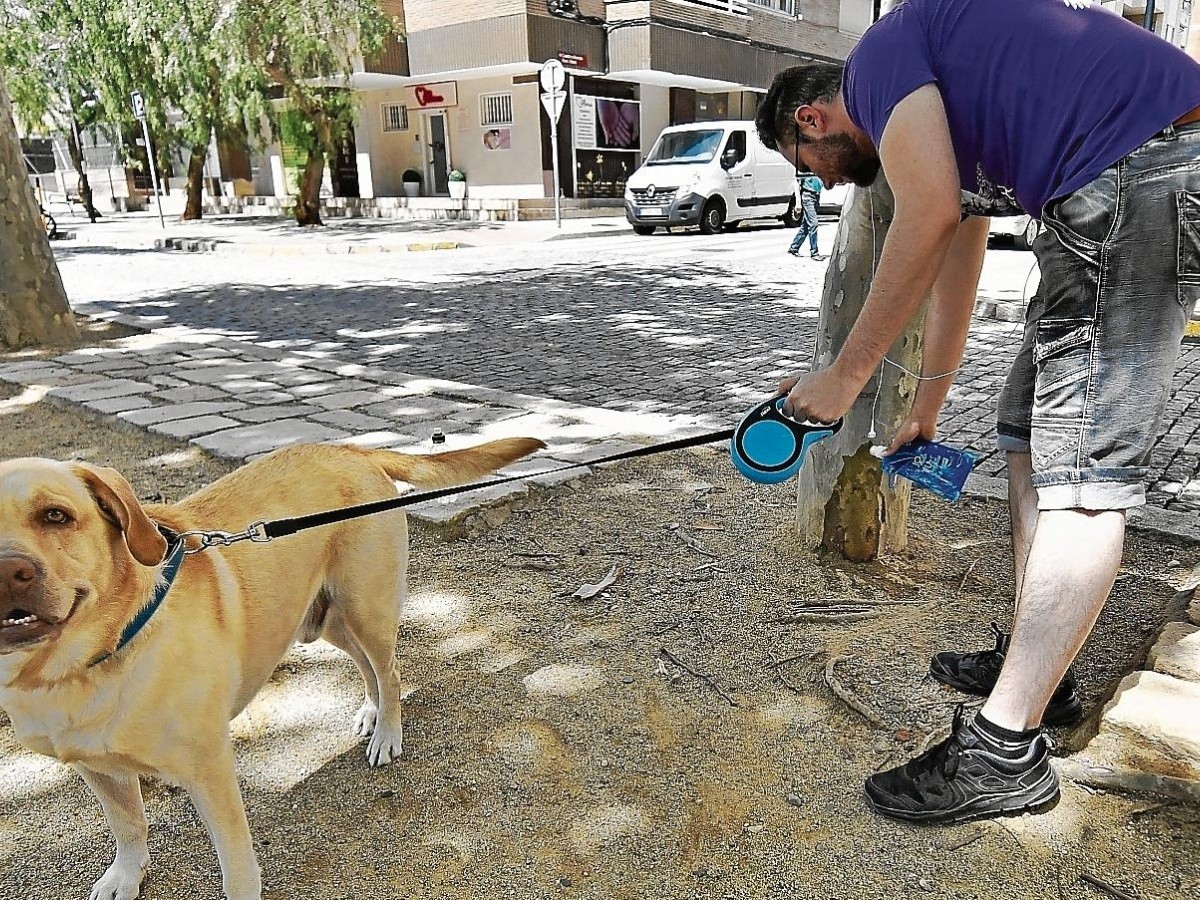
[(786, 7), (395, 117), (495, 109)]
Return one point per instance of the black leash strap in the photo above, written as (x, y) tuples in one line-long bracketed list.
[(265, 531)]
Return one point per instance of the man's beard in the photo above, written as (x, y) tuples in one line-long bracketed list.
[(849, 160)]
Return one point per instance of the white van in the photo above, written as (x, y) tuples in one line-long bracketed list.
[(710, 174)]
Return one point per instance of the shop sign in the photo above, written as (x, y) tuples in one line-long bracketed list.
[(434, 96), (573, 60)]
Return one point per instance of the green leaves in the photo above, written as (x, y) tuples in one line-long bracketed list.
[(201, 64)]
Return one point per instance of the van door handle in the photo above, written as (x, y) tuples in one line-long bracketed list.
[(748, 175)]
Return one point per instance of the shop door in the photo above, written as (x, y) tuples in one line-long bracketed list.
[(437, 153)]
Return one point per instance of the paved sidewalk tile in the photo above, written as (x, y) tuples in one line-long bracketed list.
[(102, 390), (171, 412), (190, 428), (248, 440)]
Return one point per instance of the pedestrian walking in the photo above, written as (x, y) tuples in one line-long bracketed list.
[(808, 190), (975, 108)]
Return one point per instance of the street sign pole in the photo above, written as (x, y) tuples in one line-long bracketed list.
[(139, 110), (554, 158), (553, 77)]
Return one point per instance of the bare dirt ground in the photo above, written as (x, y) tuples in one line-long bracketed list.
[(672, 738)]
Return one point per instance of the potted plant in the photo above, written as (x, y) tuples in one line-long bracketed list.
[(412, 183), (458, 184)]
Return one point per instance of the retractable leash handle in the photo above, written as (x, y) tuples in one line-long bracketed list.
[(769, 446)]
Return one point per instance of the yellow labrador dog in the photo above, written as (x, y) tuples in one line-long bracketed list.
[(100, 669)]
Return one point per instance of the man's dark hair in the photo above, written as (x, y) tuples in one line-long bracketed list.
[(791, 89)]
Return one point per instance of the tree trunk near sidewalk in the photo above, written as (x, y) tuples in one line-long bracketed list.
[(308, 203), (33, 304), (84, 186), (194, 208), (844, 503)]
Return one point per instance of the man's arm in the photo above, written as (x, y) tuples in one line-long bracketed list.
[(918, 160), (951, 303)]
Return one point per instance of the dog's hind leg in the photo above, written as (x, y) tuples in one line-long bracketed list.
[(368, 596), (341, 637), (121, 798)]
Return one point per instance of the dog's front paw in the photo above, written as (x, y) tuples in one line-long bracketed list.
[(384, 746), (119, 883), (364, 719)]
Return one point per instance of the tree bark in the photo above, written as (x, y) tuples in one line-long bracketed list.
[(84, 186), (194, 208), (33, 304), (308, 203), (844, 503)]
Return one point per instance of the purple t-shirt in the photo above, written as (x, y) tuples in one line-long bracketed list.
[(1040, 97)]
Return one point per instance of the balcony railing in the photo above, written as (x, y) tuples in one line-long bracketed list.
[(734, 7)]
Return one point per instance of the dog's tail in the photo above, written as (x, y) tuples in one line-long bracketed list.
[(436, 470)]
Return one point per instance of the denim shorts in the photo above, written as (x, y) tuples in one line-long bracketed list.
[(1120, 267)]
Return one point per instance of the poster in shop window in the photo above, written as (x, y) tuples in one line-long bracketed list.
[(605, 124)]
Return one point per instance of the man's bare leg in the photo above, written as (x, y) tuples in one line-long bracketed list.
[(1023, 511), (1071, 564)]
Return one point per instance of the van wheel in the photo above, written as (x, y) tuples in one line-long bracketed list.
[(712, 217), (793, 217), (643, 230), (1024, 240)]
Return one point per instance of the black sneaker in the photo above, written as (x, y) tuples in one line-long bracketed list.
[(976, 673), (963, 778)]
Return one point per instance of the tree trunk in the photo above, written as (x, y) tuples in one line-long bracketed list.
[(166, 168), (194, 209), (843, 499), (84, 187), (33, 304), (308, 204)]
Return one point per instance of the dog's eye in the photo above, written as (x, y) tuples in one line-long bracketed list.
[(56, 516)]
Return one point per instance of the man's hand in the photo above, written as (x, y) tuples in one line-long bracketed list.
[(914, 427), (823, 396)]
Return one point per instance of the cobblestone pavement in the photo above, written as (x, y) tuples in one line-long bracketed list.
[(610, 335)]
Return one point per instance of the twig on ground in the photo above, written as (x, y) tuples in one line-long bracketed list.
[(703, 676), (694, 544), (847, 696), (776, 665), (958, 845), (1105, 887), (966, 575), (1012, 834)]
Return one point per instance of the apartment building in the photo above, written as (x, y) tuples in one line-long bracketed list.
[(460, 89)]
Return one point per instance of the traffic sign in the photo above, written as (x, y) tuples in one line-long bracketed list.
[(553, 76), (139, 105), (553, 104)]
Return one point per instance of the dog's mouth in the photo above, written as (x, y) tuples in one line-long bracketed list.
[(20, 626)]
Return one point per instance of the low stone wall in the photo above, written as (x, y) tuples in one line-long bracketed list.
[(425, 208), (1149, 735), (373, 208)]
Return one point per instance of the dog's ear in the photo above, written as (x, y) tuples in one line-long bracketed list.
[(119, 504)]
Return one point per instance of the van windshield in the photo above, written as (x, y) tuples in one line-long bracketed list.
[(676, 147)]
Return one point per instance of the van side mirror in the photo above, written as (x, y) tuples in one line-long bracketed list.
[(729, 158)]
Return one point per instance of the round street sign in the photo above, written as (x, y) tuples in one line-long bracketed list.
[(553, 76)]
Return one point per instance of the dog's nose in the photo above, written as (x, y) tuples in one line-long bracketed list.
[(18, 574)]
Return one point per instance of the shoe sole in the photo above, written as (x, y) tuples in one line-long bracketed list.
[(1046, 798)]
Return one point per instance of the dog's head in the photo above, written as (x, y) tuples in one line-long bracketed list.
[(72, 536)]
